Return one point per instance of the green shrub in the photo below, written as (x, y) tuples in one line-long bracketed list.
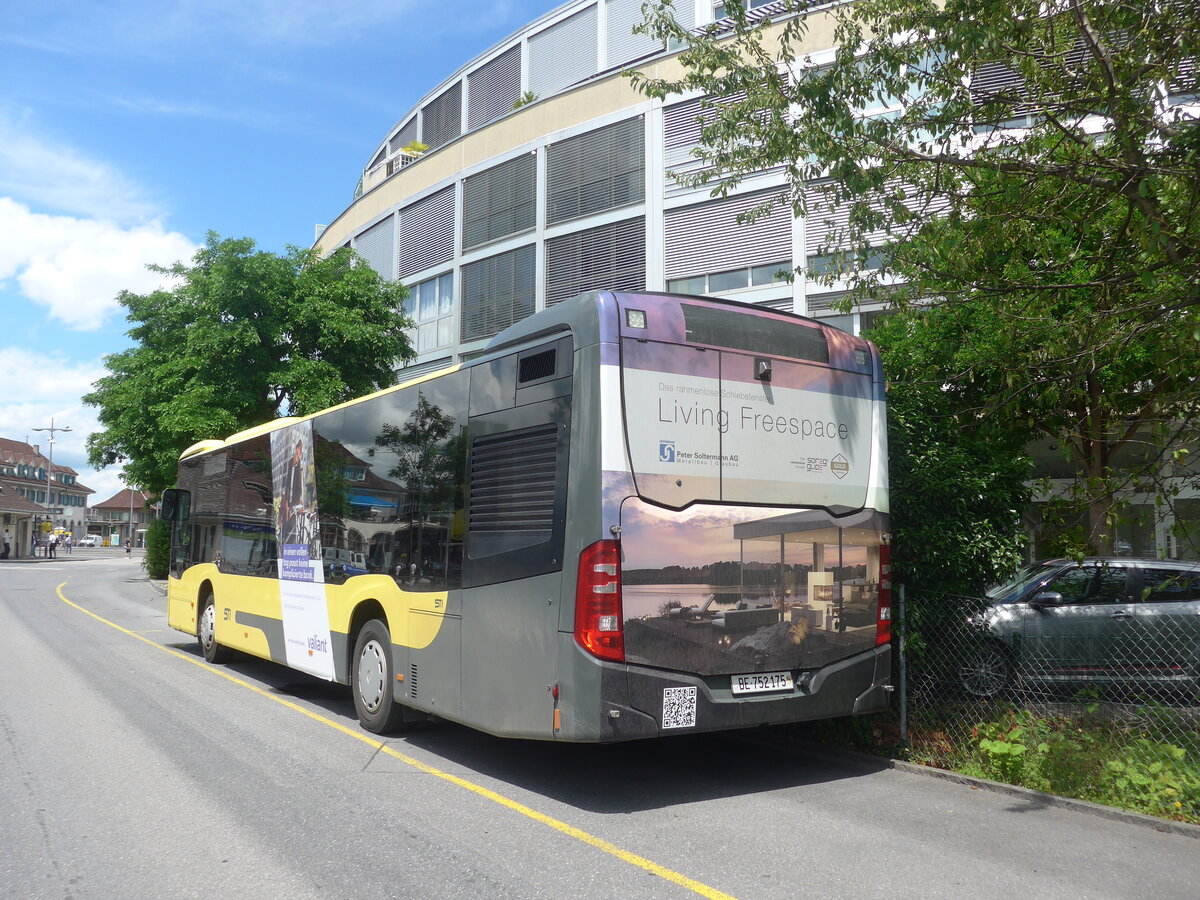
[(158, 549)]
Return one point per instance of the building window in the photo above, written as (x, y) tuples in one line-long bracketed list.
[(721, 10), (497, 291), (500, 201), (609, 257), (597, 171), (430, 304), (730, 279), (826, 265)]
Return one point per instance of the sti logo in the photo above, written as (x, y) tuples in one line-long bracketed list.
[(666, 451)]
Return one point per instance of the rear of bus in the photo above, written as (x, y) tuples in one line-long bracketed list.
[(739, 574)]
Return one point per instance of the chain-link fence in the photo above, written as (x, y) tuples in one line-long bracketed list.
[(1097, 701)]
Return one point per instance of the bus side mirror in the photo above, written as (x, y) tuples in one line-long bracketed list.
[(175, 506)]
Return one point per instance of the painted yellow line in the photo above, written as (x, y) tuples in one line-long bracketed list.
[(571, 831)]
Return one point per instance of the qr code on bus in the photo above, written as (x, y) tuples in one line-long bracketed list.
[(679, 707)]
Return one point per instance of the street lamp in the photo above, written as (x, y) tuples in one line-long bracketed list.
[(50, 466), (129, 484)]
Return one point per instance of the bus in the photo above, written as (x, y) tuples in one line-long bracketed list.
[(633, 515)]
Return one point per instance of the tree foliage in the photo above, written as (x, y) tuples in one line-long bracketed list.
[(242, 337), (959, 483), (1032, 169)]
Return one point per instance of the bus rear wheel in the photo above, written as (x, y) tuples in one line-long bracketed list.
[(206, 632), (372, 679)]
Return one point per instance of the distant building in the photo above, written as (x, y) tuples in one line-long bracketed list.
[(125, 515), (27, 499)]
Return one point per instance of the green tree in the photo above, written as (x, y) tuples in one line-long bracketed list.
[(958, 482), (1031, 165), (241, 337)]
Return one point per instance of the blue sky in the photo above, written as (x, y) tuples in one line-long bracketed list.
[(129, 129)]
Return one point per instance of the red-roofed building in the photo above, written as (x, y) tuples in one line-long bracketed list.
[(126, 514), (27, 499)]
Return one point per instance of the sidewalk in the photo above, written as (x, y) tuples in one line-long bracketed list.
[(79, 553)]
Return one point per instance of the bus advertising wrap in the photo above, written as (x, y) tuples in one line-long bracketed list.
[(301, 584), (701, 426)]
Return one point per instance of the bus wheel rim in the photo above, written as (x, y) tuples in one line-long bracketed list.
[(372, 672), (208, 620)]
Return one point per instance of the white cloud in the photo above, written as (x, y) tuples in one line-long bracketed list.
[(76, 267), (50, 174)]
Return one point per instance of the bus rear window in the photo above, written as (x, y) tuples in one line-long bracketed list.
[(754, 334)]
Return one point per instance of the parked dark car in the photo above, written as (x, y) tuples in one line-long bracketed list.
[(1107, 621)]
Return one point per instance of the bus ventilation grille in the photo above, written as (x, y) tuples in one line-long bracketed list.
[(536, 366), (513, 480)]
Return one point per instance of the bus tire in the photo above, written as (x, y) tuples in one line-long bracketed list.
[(206, 632), (371, 680)]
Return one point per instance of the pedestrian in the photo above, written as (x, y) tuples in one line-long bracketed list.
[(67, 543), (128, 549), (52, 547), (7, 544)]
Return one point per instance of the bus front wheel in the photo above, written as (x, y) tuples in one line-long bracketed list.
[(372, 680), (206, 632)]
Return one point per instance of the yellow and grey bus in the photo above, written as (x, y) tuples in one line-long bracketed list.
[(634, 515)]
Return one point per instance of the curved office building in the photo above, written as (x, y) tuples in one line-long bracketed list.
[(537, 171)]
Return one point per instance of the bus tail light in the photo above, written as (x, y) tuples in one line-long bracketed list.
[(883, 626), (598, 618)]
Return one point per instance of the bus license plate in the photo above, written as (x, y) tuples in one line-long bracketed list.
[(761, 682)]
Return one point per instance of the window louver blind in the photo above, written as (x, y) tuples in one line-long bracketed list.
[(563, 54), (499, 201), (426, 232), (405, 136), (441, 117), (611, 257), (512, 481), (708, 238), (827, 220), (408, 373), (682, 123), (377, 245), (599, 170), (496, 292), (622, 44), (493, 88)]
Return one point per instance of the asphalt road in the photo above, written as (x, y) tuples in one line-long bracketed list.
[(131, 769)]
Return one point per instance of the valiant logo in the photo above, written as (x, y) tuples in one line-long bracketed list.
[(317, 644), (666, 451)]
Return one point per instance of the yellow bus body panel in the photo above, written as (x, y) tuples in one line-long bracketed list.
[(413, 618)]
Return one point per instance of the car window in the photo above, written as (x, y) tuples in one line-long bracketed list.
[(1110, 586), (1089, 584), (1017, 585), (1170, 585)]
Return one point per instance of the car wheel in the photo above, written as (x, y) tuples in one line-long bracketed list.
[(986, 671), (206, 632), (372, 678)]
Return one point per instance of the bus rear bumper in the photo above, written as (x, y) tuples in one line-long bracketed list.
[(641, 702)]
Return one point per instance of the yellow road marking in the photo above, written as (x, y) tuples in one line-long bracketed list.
[(571, 831)]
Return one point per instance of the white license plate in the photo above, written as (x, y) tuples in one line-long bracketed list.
[(761, 682)]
